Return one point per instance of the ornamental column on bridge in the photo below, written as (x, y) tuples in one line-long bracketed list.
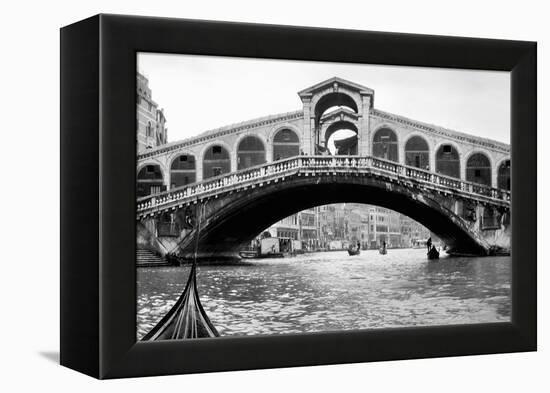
[(365, 136), (306, 139), (336, 96)]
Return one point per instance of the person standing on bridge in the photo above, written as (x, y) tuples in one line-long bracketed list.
[(429, 243)]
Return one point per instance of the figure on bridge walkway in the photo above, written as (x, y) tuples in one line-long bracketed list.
[(321, 150), (187, 318)]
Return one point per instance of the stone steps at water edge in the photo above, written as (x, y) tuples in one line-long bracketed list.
[(147, 258)]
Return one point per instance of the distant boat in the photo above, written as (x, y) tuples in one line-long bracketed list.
[(383, 250), (354, 249), (247, 254), (433, 253)]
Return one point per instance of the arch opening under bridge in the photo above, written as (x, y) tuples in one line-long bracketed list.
[(225, 231)]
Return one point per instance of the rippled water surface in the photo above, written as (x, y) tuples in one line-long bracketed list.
[(333, 291)]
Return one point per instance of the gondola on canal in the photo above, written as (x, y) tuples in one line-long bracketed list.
[(383, 249), (187, 318), (354, 249), (433, 253)]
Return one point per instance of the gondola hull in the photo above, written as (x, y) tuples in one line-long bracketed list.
[(187, 318)]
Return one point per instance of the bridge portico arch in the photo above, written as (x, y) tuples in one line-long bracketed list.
[(479, 166), (183, 169), (417, 151), (334, 121), (215, 159), (151, 178), (249, 149), (335, 93), (347, 145), (385, 143), (502, 174), (448, 159), (285, 142)]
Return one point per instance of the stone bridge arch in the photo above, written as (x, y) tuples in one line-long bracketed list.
[(232, 220)]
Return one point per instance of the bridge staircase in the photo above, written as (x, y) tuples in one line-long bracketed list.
[(147, 258)]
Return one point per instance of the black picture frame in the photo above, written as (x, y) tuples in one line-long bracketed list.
[(98, 196)]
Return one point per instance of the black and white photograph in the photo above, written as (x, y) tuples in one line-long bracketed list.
[(275, 197), (285, 197)]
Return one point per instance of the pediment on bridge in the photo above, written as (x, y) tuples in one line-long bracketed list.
[(335, 83), (339, 114)]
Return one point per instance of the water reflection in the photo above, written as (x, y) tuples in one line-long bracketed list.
[(332, 291)]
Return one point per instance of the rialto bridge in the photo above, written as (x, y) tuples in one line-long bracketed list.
[(251, 174)]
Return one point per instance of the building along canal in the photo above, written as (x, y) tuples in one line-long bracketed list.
[(331, 291)]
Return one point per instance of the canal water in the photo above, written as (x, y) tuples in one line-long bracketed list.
[(332, 291)]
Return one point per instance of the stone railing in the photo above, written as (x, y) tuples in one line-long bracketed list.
[(316, 165)]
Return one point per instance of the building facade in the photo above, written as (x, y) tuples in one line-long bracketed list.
[(337, 225), (385, 227), (151, 123), (302, 226)]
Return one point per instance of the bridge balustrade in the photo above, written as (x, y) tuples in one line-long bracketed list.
[(279, 169)]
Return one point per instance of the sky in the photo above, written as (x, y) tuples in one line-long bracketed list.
[(199, 93)]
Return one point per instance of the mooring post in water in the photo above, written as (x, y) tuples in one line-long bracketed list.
[(187, 318)]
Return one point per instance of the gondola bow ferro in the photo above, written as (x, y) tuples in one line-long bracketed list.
[(187, 318)]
